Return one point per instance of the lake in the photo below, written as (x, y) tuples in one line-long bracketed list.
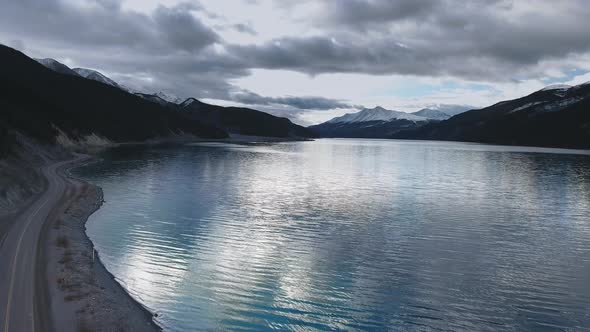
[(342, 234)]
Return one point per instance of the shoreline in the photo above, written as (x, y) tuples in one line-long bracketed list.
[(62, 284), (72, 280), (182, 140), (82, 294), (77, 292)]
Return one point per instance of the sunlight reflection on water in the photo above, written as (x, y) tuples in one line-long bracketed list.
[(349, 234)]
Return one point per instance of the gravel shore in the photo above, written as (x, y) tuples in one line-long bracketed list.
[(82, 294)]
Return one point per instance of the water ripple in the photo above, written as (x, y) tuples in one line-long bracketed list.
[(349, 235)]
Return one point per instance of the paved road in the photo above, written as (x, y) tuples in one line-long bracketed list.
[(18, 258)]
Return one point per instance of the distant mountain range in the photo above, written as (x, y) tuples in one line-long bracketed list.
[(382, 123), (234, 120), (243, 121), (60, 107), (96, 76), (159, 97), (57, 67), (67, 105), (556, 116), (45, 100)]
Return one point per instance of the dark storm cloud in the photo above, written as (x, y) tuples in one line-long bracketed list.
[(201, 75), (362, 12), (181, 29), (305, 103), (317, 55), (485, 40), (245, 28), (170, 45), (103, 23)]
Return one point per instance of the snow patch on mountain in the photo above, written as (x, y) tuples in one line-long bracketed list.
[(56, 66), (376, 114), (188, 102), (432, 114), (559, 105), (97, 76), (169, 97), (556, 87), (451, 110), (526, 106)]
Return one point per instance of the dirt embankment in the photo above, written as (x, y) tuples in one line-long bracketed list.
[(20, 180)]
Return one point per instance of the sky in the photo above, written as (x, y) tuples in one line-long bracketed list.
[(311, 60)]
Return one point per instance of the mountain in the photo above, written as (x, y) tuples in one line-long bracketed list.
[(557, 116), (96, 76), (57, 66), (432, 114), (451, 110), (369, 123), (375, 114), (161, 98), (243, 121), (233, 119), (39, 103), (368, 129), (155, 99), (169, 97)]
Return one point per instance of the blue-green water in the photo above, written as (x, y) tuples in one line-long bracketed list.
[(349, 235)]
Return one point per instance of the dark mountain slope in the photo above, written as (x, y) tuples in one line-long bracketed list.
[(35, 100), (550, 117), (233, 119), (365, 129), (155, 99), (243, 121)]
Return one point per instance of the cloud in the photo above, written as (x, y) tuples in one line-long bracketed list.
[(17, 44), (181, 29), (302, 103), (190, 50), (484, 40), (244, 28), (104, 24), (170, 48), (361, 13)]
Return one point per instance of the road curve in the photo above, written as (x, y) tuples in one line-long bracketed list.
[(18, 256)]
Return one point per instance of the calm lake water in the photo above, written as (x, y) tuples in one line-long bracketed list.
[(349, 235)]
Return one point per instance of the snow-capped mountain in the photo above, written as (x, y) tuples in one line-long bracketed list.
[(96, 76), (160, 97), (379, 122), (451, 110), (432, 114), (376, 122), (442, 112), (556, 116), (169, 97), (188, 102), (375, 114), (556, 87), (57, 66)]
